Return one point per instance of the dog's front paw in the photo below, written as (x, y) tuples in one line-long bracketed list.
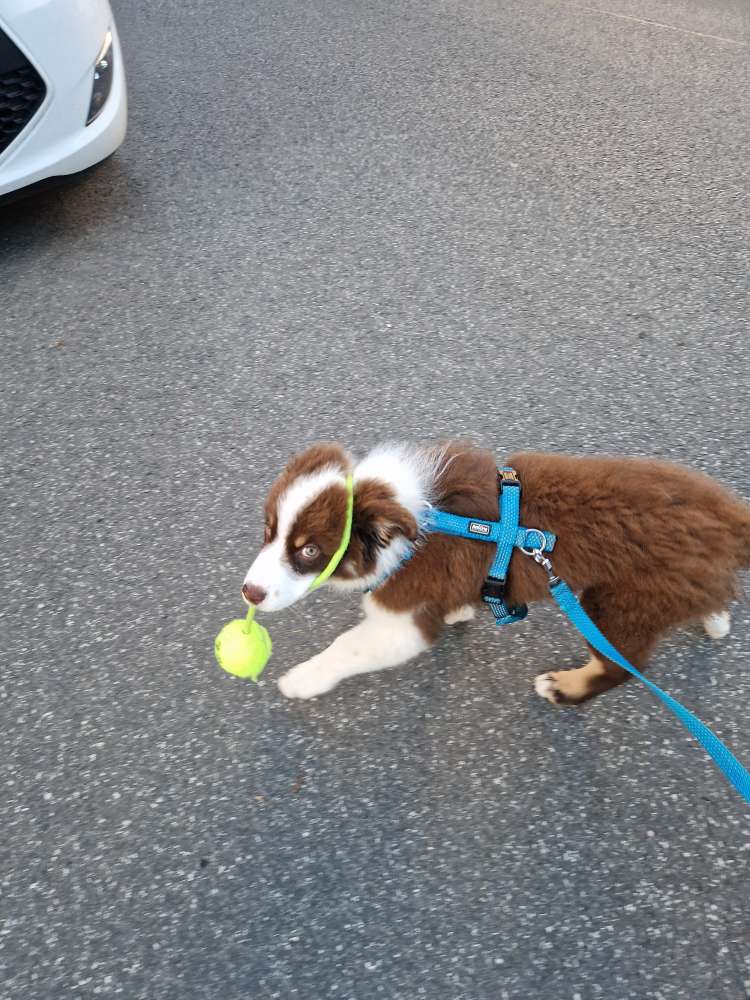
[(308, 680)]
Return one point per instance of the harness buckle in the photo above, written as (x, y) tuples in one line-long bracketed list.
[(507, 477), (493, 589)]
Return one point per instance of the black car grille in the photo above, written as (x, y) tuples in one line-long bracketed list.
[(22, 91)]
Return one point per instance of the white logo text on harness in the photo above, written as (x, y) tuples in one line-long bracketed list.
[(479, 529)]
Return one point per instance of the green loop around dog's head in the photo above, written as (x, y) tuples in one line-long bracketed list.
[(346, 535)]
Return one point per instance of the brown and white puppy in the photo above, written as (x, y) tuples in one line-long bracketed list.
[(648, 546)]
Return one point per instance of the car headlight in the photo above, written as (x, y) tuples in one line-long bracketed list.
[(102, 78)]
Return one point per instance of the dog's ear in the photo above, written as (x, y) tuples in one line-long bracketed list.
[(316, 457), (379, 517)]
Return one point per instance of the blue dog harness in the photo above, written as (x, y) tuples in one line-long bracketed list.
[(506, 535)]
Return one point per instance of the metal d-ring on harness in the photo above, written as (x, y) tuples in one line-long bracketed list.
[(534, 543)]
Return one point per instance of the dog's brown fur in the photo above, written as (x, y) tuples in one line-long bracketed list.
[(648, 545)]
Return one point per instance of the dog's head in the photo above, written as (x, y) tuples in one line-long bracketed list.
[(306, 515)]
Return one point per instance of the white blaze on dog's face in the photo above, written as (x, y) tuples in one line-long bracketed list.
[(305, 521), (302, 534)]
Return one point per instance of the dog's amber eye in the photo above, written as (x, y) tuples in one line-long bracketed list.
[(309, 551)]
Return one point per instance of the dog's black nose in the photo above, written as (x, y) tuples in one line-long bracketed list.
[(253, 594)]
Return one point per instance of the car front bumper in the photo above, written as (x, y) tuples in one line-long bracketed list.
[(61, 39)]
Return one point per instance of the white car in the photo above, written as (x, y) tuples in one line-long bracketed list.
[(63, 103)]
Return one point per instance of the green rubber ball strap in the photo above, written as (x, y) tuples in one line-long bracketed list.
[(338, 555)]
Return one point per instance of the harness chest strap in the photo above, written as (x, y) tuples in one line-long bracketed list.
[(505, 534)]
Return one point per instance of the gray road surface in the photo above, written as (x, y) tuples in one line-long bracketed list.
[(522, 221)]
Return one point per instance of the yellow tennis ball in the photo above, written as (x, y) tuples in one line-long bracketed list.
[(243, 647)]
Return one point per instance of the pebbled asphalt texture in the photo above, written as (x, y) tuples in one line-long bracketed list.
[(525, 222)]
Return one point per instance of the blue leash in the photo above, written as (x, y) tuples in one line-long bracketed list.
[(722, 756), (533, 542)]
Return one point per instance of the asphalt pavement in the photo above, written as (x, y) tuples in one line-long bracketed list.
[(524, 222)]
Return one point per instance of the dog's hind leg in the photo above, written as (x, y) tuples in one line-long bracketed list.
[(568, 687), (631, 624), (717, 625)]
